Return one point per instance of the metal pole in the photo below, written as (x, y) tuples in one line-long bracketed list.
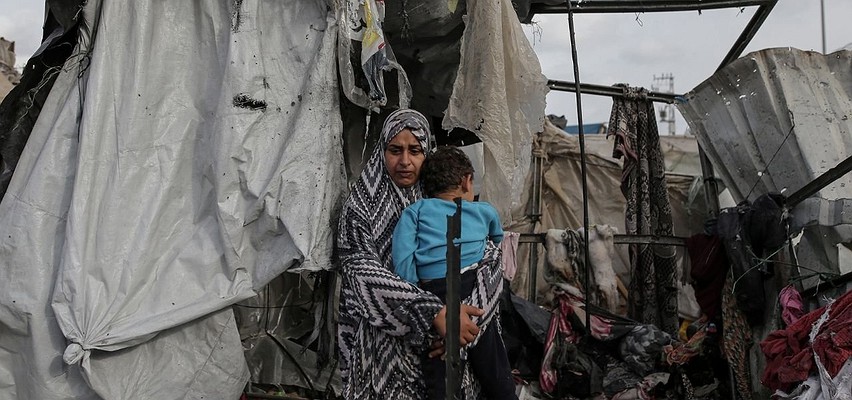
[(535, 217), (583, 173), (451, 340), (822, 20)]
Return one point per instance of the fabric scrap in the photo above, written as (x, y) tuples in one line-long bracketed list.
[(709, 267), (509, 247), (791, 305), (642, 348)]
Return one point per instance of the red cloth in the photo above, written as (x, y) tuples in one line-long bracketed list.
[(709, 268), (789, 355)]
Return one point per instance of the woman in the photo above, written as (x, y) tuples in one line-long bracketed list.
[(386, 322)]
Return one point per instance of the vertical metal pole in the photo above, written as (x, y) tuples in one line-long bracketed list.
[(451, 340), (535, 217), (588, 263), (822, 24)]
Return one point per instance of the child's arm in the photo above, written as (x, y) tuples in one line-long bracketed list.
[(404, 244), (495, 228)]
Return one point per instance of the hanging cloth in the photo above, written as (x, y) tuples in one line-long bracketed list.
[(653, 293), (509, 247)]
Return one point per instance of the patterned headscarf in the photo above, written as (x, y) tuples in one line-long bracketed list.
[(375, 196)]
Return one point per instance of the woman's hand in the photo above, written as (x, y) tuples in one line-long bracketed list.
[(467, 332)]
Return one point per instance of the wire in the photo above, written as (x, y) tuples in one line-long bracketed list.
[(766, 168)]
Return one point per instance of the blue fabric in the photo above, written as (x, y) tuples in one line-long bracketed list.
[(420, 237)]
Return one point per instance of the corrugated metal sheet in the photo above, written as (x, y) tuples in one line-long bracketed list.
[(795, 103), (774, 120)]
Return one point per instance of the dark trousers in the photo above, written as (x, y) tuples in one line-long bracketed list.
[(487, 360)]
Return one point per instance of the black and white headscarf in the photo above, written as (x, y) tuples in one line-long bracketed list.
[(385, 322)]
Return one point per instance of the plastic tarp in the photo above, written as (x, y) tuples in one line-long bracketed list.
[(499, 94), (187, 157), (562, 196)]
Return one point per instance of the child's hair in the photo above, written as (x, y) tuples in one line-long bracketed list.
[(444, 170)]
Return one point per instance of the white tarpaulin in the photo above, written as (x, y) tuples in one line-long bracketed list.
[(499, 95), (196, 157)]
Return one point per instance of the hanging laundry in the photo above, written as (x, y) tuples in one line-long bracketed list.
[(601, 251), (564, 267), (509, 247), (653, 293), (709, 267), (751, 233), (737, 339)]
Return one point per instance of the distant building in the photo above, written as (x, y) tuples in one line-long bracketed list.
[(9, 76), (598, 127)]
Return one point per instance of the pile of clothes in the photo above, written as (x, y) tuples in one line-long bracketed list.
[(812, 357), (620, 358)]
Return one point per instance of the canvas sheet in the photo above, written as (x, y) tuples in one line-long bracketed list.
[(187, 154)]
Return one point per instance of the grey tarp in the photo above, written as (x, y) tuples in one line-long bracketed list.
[(190, 157)]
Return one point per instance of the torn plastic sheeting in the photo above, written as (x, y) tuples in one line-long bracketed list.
[(174, 203), (361, 22), (499, 94)]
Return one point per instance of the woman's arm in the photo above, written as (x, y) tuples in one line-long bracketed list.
[(375, 293)]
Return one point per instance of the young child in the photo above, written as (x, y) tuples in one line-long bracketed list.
[(420, 256)]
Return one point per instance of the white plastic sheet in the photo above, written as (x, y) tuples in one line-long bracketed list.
[(198, 156), (499, 95)]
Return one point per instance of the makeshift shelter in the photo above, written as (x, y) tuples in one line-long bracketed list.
[(169, 161), (160, 172)]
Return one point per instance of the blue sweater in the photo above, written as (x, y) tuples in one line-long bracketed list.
[(420, 237)]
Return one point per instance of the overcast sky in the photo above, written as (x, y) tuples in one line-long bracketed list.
[(612, 48)]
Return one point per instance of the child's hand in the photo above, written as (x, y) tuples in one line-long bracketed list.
[(468, 329)]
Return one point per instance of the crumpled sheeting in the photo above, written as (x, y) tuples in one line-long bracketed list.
[(822, 386), (790, 353), (499, 94)]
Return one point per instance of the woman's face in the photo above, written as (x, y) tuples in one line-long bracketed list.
[(403, 158)]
